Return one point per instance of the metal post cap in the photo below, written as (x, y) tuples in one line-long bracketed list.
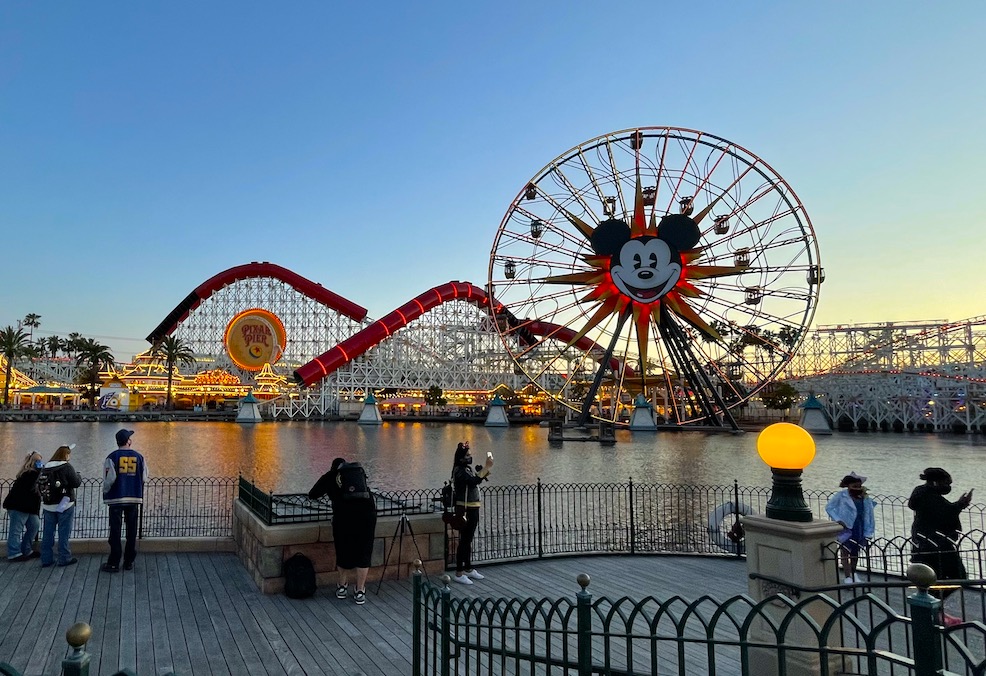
[(583, 580), (78, 634), (921, 575)]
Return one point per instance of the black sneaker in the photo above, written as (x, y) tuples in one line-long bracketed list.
[(129, 565), (360, 597), (107, 568), (70, 562), (342, 591)]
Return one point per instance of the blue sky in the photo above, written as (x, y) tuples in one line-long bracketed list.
[(144, 147)]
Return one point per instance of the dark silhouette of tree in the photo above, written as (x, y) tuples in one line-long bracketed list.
[(172, 351), (90, 358), (12, 344), (435, 396), (31, 321), (779, 396)]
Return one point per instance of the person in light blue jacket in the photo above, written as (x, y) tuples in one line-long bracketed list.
[(851, 508)]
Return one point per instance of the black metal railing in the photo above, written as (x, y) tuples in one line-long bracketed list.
[(584, 635), (173, 507), (538, 520)]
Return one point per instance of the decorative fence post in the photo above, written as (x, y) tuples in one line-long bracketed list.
[(445, 642), (77, 662), (416, 613), (924, 610), (583, 604), (540, 526), (633, 521)]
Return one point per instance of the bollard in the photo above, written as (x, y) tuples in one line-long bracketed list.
[(416, 618), (77, 662), (925, 609), (583, 603)]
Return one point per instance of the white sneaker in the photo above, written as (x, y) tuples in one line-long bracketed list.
[(462, 579), (848, 580), (475, 574), (857, 578)]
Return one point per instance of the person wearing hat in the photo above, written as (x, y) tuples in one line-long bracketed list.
[(124, 476), (936, 527), (854, 511)]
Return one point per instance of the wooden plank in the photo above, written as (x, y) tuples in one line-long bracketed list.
[(143, 616), (172, 616), (201, 613), (241, 655)]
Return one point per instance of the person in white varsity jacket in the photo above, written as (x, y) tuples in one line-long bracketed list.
[(124, 476)]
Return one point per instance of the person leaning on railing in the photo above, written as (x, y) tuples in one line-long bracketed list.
[(465, 484), (23, 503)]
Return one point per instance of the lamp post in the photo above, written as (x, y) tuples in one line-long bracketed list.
[(787, 449)]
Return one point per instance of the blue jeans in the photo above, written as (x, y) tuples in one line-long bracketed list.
[(62, 521), (18, 544)]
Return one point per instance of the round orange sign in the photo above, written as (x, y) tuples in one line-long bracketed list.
[(254, 338)]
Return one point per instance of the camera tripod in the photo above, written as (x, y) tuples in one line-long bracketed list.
[(403, 526)]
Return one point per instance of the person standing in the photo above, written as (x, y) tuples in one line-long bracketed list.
[(23, 503), (854, 511), (124, 476), (354, 524), (57, 483), (936, 526), (465, 482)]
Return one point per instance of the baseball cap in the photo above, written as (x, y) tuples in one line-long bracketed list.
[(122, 436)]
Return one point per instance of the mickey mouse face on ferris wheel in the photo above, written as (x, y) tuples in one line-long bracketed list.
[(645, 268)]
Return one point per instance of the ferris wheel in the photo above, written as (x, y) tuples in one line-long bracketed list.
[(659, 262)]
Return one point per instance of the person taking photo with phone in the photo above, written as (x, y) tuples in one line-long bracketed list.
[(936, 528), (465, 482)]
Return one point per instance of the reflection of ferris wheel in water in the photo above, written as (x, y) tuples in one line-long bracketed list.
[(658, 261)]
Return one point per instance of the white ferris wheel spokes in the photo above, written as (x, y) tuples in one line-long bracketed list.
[(656, 261)]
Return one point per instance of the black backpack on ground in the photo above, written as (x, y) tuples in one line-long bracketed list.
[(352, 481), (299, 577)]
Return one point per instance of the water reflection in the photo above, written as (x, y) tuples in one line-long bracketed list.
[(288, 457)]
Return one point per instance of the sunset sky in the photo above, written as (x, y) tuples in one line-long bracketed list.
[(375, 147)]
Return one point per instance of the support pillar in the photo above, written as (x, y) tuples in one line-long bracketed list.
[(790, 551)]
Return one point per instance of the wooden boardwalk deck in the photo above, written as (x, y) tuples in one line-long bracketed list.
[(201, 614)]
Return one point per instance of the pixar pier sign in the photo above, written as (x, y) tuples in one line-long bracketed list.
[(253, 338)]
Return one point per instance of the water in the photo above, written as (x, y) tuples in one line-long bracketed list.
[(288, 457)]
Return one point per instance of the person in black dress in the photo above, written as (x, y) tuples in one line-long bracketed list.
[(354, 524)]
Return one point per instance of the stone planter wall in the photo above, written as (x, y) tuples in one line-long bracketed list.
[(263, 549)]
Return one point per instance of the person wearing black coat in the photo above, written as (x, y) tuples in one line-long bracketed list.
[(465, 483), (23, 503), (936, 529), (354, 526)]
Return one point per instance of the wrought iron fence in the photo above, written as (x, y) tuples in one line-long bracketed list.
[(861, 634), (274, 509), (543, 519), (173, 507)]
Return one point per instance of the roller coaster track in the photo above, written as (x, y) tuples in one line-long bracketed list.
[(382, 329)]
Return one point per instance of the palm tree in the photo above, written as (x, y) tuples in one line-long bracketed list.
[(12, 344), (71, 345), (172, 351), (54, 344), (32, 321), (90, 358)]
